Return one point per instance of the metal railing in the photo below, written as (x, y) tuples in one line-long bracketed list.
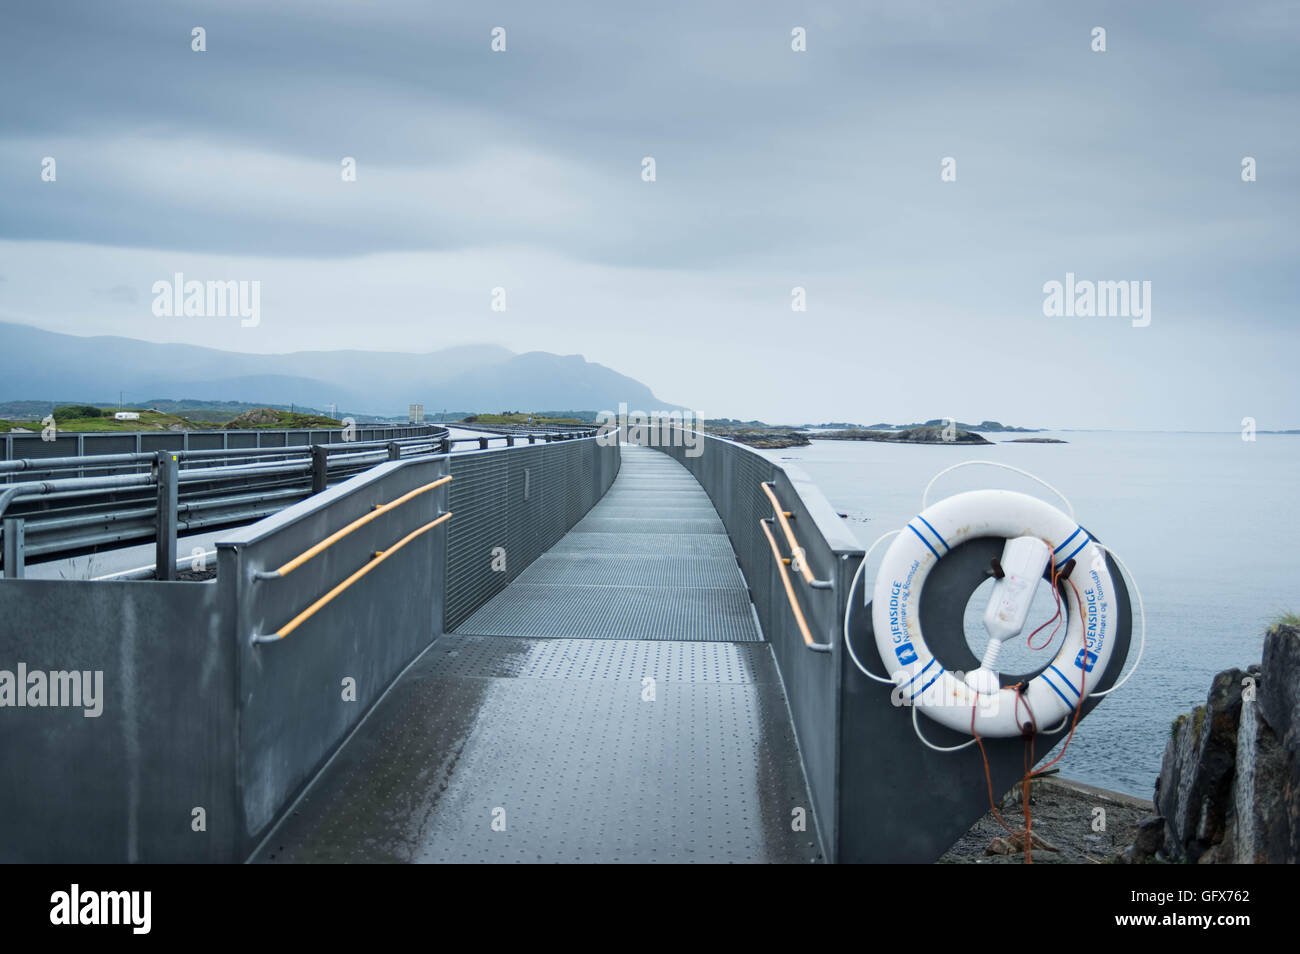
[(342, 532), (798, 561), (96, 444), (376, 558), (66, 515), (52, 510)]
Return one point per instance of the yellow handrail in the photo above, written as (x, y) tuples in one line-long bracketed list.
[(789, 590), (799, 557), (338, 535), (379, 557)]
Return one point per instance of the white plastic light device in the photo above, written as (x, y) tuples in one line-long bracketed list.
[(1023, 561)]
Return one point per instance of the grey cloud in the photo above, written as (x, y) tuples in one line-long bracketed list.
[(774, 168)]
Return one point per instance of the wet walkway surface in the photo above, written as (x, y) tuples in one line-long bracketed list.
[(615, 703)]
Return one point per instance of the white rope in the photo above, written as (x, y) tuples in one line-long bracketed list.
[(916, 727), (848, 608), (925, 497)]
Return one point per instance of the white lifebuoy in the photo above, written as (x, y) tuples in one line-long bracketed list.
[(924, 682)]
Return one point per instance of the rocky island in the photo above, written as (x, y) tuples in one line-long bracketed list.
[(755, 433), (921, 434)]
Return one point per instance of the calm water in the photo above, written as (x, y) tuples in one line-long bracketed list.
[(1205, 522)]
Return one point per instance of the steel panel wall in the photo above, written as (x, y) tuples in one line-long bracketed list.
[(293, 710), (122, 786), (564, 480)]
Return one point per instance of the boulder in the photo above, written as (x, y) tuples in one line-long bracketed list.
[(1279, 693), (1229, 784), (1194, 788)]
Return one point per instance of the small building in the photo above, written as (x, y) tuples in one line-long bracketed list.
[(126, 415)]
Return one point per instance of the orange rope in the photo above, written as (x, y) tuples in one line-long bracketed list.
[(1027, 832)]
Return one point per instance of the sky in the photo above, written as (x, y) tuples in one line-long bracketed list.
[(774, 169)]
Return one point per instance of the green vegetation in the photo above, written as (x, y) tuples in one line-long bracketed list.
[(1176, 725), (76, 412), (519, 417), (1286, 619), (275, 418), (73, 419)]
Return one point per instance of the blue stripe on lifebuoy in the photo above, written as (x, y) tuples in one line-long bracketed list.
[(1057, 691), (1068, 539), (924, 540), (928, 684), (935, 532), (1064, 678), (921, 673), (1086, 540)]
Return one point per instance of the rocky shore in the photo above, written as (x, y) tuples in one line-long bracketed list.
[(1073, 823), (1228, 790)]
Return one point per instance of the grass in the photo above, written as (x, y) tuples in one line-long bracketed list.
[(519, 417), (1286, 619), (272, 418), (149, 421), (1176, 725), (260, 419)]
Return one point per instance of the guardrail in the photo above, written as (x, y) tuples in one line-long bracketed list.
[(60, 443), (798, 561), (571, 430), (376, 557), (182, 492), (50, 514)]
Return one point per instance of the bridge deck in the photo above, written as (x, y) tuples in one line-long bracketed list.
[(656, 731)]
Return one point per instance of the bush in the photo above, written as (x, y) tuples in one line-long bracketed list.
[(74, 412)]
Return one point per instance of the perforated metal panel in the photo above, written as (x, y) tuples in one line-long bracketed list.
[(490, 511)]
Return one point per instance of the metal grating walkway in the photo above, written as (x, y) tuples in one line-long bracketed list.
[(662, 737), (650, 561), (555, 741)]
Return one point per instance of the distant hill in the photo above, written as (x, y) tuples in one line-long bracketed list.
[(38, 366)]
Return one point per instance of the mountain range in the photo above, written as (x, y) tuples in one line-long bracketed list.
[(40, 365)]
